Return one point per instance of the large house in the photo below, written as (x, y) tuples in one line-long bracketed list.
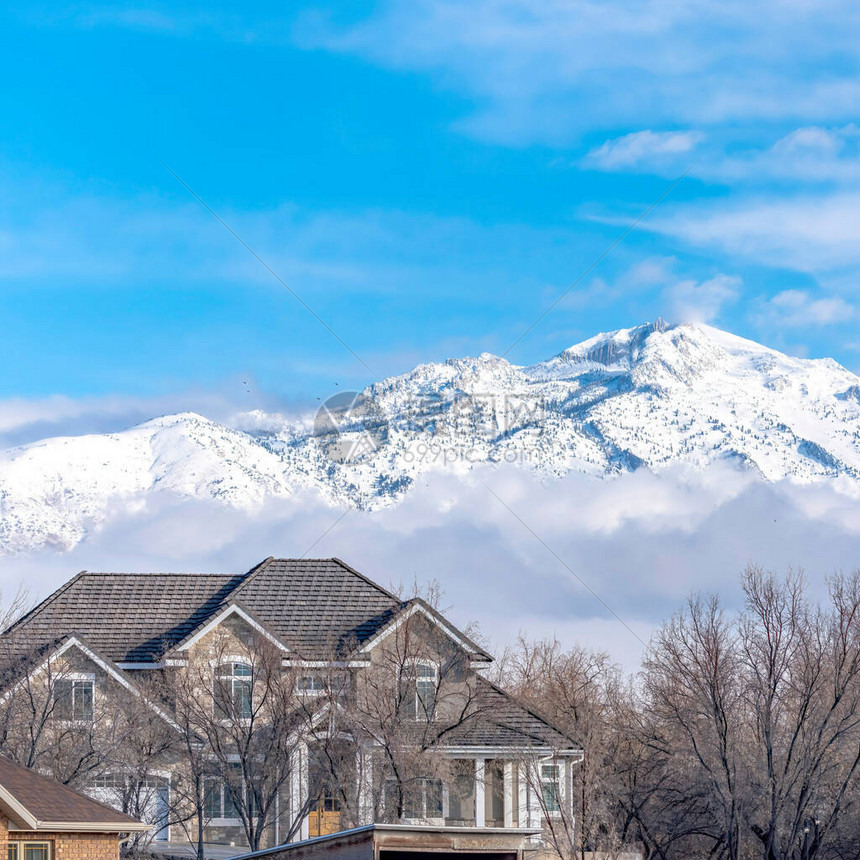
[(380, 707)]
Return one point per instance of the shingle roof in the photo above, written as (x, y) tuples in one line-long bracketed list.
[(504, 721), (126, 617), (311, 605), (51, 803), (315, 606)]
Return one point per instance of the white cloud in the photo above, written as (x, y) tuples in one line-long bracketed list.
[(817, 232), (810, 154), (24, 420), (693, 301), (643, 150), (545, 71), (798, 309), (641, 542)]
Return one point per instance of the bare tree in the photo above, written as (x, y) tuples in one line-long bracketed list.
[(754, 722), (579, 691), (239, 712)]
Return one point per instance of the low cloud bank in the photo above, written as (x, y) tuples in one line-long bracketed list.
[(640, 543)]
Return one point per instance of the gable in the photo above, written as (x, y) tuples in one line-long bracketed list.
[(234, 621), (76, 657), (319, 608), (417, 608)]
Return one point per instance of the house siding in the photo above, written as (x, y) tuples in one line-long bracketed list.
[(67, 846)]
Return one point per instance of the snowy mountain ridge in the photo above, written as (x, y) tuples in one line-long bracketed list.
[(652, 396)]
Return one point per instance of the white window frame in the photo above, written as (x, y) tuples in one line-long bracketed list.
[(553, 783), (310, 692), (75, 678), (412, 663), (221, 784), (425, 783), (233, 678)]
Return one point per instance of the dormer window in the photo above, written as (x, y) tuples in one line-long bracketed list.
[(233, 689), (73, 698), (418, 683)]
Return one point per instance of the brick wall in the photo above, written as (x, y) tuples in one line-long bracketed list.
[(67, 846)]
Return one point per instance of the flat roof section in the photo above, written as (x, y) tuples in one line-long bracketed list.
[(406, 842)]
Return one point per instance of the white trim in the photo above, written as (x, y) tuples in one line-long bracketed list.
[(133, 666), (92, 827), (232, 609), (417, 607), (9, 800), (326, 664), (517, 753), (508, 792), (232, 658)]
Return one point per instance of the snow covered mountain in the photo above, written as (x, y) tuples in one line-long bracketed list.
[(653, 396)]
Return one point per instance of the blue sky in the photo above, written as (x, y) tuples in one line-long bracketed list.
[(427, 175)]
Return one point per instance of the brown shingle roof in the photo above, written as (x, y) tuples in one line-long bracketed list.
[(35, 801)]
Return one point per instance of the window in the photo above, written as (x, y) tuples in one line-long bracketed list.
[(73, 698), (217, 800), (29, 851), (233, 687), (422, 799), (418, 687), (310, 685), (549, 780)]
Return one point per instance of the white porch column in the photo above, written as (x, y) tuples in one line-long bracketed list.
[(509, 793), (534, 799), (480, 793), (364, 766), (299, 789), (522, 796)]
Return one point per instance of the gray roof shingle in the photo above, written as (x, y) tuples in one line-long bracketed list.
[(505, 721), (311, 605), (316, 606)]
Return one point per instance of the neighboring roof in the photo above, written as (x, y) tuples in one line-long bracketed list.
[(504, 721), (35, 802), (311, 605), (418, 838)]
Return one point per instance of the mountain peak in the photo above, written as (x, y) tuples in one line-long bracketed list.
[(615, 347), (652, 396)]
